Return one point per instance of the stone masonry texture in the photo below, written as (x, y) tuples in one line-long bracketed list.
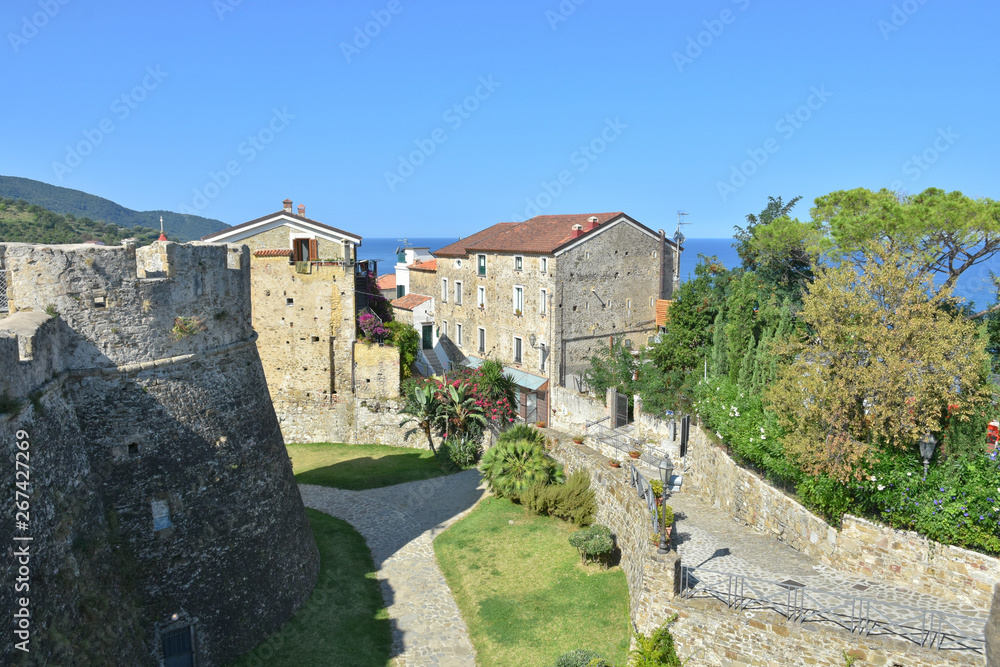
[(129, 414)]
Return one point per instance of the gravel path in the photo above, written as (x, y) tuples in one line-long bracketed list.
[(399, 523)]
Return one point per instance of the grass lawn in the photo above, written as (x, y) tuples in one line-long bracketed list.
[(523, 592), (344, 622), (359, 467)]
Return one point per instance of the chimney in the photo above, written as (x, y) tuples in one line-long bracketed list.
[(302, 211), (577, 232), (591, 222), (287, 205)]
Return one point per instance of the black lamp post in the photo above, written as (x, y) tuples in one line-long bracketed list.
[(927, 444), (666, 468)]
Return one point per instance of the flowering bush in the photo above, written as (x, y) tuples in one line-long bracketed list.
[(370, 327)]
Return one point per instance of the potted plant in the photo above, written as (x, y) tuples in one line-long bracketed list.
[(517, 313), (615, 463), (539, 424), (578, 439), (635, 453)]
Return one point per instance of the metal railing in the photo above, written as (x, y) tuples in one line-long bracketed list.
[(4, 306), (861, 616), (645, 491)]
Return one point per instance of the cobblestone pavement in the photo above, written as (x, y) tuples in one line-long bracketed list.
[(709, 539), (399, 523)]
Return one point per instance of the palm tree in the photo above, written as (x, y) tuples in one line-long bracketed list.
[(511, 467), (424, 410)]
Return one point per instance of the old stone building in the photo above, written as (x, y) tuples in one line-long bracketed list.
[(544, 295), (162, 522)]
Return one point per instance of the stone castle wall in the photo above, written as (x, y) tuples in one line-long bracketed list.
[(128, 419), (860, 547)]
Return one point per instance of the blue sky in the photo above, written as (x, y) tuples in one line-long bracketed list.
[(447, 117)]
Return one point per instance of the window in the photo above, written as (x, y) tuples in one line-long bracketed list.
[(444, 329), (289, 301), (518, 299), (517, 350), (543, 357), (586, 255), (444, 290), (628, 303), (481, 297), (458, 292), (400, 291), (543, 264), (651, 301), (178, 646), (518, 263), (458, 263), (482, 339), (161, 515), (458, 334), (542, 298), (481, 261)]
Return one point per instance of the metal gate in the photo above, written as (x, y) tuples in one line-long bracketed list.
[(3, 289), (621, 410)]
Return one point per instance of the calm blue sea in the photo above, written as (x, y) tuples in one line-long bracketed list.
[(975, 284)]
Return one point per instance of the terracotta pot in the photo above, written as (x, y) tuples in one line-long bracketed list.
[(614, 464), (578, 441), (635, 455)]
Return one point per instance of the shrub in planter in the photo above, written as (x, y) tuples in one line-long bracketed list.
[(615, 463), (578, 439), (656, 650), (594, 543), (573, 501), (657, 487), (661, 509), (582, 658)]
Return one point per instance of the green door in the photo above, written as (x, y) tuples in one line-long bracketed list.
[(428, 336)]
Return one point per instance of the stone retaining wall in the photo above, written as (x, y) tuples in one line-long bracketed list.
[(707, 630), (860, 547)]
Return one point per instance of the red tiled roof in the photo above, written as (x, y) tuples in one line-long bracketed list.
[(273, 252), (541, 234), (388, 281), (409, 301), (458, 248), (430, 265)]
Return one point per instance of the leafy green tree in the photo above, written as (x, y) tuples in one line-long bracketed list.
[(613, 366), (941, 233), (406, 339), (883, 359), (671, 366)]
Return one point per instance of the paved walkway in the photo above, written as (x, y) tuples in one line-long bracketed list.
[(399, 523), (709, 539)]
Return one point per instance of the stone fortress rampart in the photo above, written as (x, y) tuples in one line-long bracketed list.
[(162, 500)]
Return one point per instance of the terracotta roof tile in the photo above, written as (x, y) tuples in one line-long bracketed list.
[(542, 234), (431, 265), (409, 301), (388, 281), (272, 252)]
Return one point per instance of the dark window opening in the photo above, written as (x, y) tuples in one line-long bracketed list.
[(315, 339), (178, 647), (100, 302), (289, 301), (133, 449)]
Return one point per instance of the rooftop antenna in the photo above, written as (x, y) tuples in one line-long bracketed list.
[(679, 238)]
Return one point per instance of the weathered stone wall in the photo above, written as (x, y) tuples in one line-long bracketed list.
[(571, 410), (608, 286), (281, 237), (708, 630), (860, 547), (376, 371), (362, 421), (124, 418)]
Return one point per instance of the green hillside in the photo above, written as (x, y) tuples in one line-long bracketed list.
[(29, 223), (64, 201)]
